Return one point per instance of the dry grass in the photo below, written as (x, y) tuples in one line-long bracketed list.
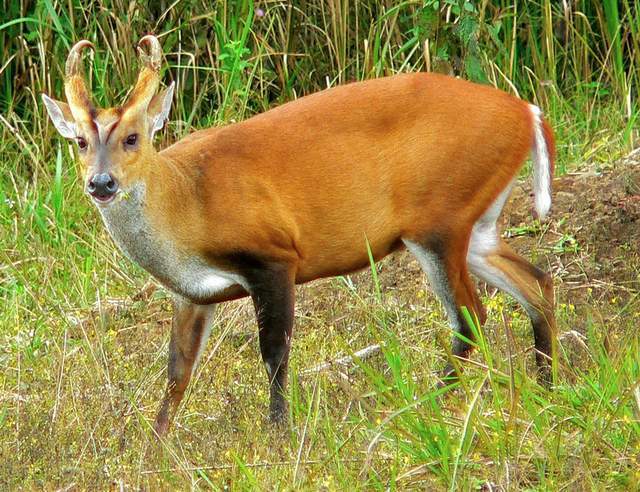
[(81, 384)]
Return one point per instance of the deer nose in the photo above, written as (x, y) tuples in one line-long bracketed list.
[(102, 187)]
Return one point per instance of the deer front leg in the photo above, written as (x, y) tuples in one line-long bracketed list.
[(272, 289), (189, 333)]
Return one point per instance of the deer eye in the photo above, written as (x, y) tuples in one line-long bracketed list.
[(131, 140), (82, 143)]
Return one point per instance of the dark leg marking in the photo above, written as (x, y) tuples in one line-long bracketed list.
[(272, 289), (449, 279)]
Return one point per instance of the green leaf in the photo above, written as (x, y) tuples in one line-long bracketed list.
[(473, 69)]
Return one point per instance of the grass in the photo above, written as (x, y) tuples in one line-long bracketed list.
[(83, 381), (83, 335)]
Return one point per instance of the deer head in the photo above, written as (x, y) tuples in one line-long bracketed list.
[(115, 145)]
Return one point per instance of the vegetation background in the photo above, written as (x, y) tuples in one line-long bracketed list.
[(83, 334)]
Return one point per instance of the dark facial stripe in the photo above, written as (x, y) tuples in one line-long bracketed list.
[(115, 125), (93, 115)]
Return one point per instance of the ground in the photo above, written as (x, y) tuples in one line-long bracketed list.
[(78, 415)]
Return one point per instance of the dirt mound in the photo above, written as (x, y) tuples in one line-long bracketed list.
[(593, 234)]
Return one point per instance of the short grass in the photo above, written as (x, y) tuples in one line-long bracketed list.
[(84, 340), (83, 334)]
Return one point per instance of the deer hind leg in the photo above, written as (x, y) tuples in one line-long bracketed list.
[(445, 266), (189, 333), (493, 261)]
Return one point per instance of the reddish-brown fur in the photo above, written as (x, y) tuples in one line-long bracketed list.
[(307, 182)]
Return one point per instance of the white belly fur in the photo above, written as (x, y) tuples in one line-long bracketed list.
[(188, 276)]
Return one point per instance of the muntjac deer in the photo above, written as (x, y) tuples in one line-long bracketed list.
[(421, 161)]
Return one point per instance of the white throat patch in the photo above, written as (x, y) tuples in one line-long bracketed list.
[(187, 275)]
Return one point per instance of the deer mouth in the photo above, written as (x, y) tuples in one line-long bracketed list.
[(101, 199)]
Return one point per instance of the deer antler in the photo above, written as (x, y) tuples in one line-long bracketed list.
[(152, 61), (72, 67), (149, 79), (75, 88)]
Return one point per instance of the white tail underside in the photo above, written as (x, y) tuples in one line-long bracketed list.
[(541, 166)]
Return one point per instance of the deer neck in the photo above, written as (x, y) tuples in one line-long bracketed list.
[(143, 223)]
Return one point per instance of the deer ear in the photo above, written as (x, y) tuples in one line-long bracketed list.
[(61, 116), (158, 110)]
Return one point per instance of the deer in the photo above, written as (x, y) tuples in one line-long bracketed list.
[(310, 189)]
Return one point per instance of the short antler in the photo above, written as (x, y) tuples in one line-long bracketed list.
[(72, 67), (149, 79), (152, 60), (75, 88)]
